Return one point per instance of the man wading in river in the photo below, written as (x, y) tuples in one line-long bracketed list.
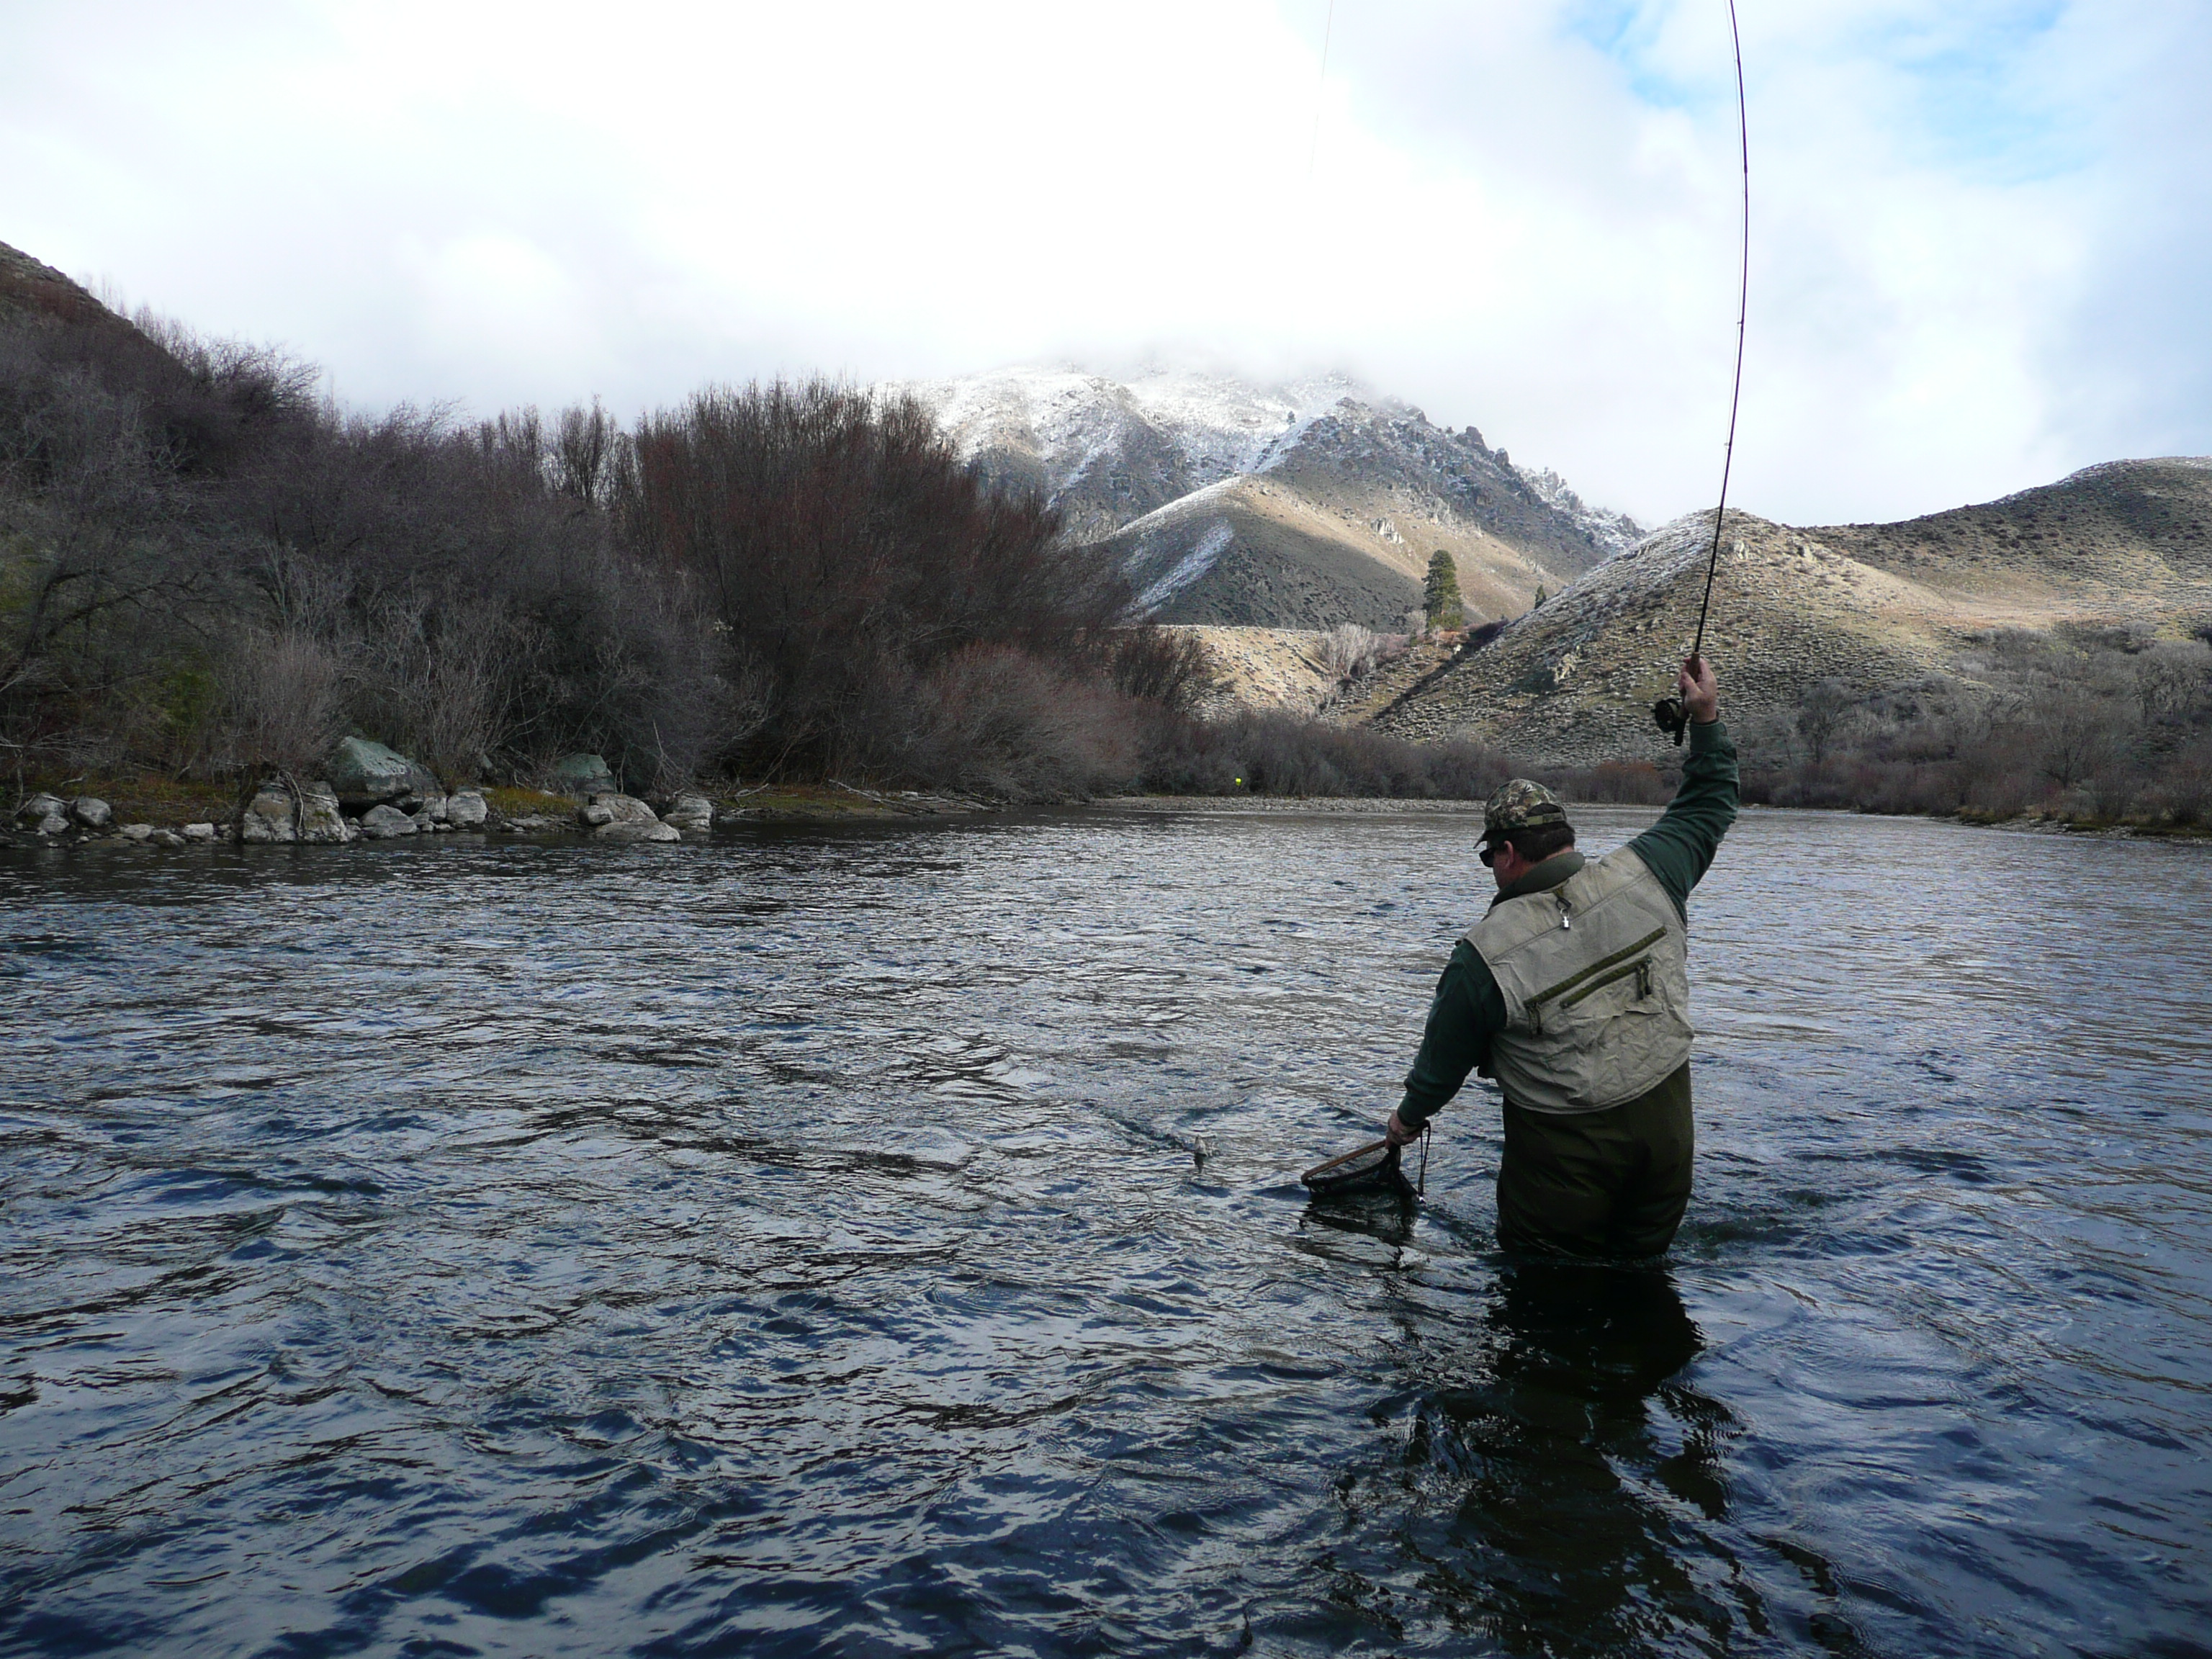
[(1573, 991)]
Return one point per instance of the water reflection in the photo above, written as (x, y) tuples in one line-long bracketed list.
[(1581, 1457)]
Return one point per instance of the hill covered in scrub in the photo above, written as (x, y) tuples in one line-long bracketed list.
[(1300, 506), (1868, 607), (2049, 650)]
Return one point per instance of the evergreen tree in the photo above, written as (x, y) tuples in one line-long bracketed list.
[(1540, 595), (1440, 593)]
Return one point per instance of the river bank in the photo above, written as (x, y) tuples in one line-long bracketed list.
[(161, 813), (158, 811), (363, 790)]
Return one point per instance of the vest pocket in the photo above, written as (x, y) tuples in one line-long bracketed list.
[(1581, 984), (1641, 968)]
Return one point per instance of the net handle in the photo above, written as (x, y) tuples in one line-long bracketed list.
[(1346, 1158)]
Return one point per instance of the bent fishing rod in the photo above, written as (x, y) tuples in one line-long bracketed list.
[(1672, 716)]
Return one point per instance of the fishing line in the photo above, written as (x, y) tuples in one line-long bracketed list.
[(1375, 1167), (1321, 87), (1673, 717)]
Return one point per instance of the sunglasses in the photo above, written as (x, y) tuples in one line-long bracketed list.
[(1487, 854)]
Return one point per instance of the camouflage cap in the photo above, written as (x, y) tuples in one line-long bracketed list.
[(1520, 805)]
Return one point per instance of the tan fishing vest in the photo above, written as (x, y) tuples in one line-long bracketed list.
[(1597, 978)]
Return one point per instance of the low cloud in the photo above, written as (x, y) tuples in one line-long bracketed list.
[(1980, 229)]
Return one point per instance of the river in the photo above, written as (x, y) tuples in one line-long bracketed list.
[(792, 1245)]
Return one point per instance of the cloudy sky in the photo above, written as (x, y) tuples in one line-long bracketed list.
[(1982, 230)]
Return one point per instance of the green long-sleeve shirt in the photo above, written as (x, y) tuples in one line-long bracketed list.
[(1468, 1010)]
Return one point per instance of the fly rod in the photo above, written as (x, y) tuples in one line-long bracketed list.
[(1669, 712)]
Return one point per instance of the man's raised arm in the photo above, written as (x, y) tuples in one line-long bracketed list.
[(1678, 849)]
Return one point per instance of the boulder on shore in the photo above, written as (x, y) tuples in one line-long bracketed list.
[(267, 818), (382, 823), (624, 818), (91, 811), (465, 809), (693, 814), (366, 774), (44, 815), (201, 832), (320, 820), (582, 775)]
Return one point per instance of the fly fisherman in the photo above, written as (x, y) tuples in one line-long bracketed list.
[(1573, 991)]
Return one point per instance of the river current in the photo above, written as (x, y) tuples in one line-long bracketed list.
[(794, 1245)]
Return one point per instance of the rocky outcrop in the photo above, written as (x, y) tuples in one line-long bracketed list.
[(320, 821), (282, 811), (268, 818)]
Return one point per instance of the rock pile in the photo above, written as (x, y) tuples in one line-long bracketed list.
[(371, 792), (51, 817), (624, 818)]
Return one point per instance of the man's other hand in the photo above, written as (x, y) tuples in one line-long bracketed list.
[(1701, 692), (1398, 1134)]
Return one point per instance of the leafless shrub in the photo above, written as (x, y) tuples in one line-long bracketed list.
[(1279, 754), (842, 548), (284, 701), (1820, 714), (1349, 650), (999, 722), (2174, 679), (431, 679), (1158, 665), (2074, 738)]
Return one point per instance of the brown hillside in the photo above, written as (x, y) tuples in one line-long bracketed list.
[(2106, 543), (1874, 606), (1257, 550)]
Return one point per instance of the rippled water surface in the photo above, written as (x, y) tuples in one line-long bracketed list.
[(792, 1245)]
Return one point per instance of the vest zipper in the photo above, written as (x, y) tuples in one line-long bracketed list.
[(1641, 969)]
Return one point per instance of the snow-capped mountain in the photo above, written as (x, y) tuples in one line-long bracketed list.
[(1301, 504)]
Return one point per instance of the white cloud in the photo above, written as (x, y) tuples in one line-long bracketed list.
[(1979, 227)]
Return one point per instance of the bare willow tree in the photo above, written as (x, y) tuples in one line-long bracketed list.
[(284, 701), (1348, 650), (844, 552)]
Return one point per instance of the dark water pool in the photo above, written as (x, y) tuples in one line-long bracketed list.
[(792, 1246)]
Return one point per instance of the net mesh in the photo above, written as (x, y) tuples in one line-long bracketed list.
[(1371, 1168)]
